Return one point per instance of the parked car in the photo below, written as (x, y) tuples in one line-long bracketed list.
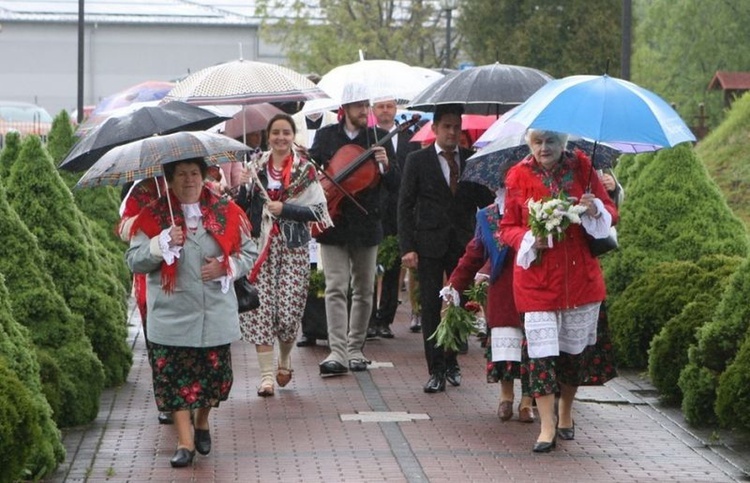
[(25, 118)]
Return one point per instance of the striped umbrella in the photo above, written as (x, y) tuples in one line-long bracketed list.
[(144, 158)]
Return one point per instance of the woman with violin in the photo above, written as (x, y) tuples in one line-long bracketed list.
[(285, 198), (356, 168)]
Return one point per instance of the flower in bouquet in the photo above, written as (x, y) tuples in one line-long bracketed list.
[(550, 217)]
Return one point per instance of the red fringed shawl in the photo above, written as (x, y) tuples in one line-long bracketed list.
[(222, 218)]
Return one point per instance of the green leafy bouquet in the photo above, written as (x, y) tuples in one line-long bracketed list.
[(457, 323)]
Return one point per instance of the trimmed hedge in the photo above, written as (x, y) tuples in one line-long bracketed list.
[(668, 354), (37, 305), (9, 153), (30, 443), (73, 255), (733, 394), (672, 211), (19, 425), (718, 343)]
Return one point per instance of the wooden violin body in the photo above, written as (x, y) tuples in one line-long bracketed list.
[(351, 170)]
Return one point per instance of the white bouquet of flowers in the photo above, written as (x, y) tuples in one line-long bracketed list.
[(550, 217)]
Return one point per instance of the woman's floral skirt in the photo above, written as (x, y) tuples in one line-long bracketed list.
[(190, 377), (593, 367)]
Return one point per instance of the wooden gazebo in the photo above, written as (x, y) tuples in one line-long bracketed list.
[(734, 84)]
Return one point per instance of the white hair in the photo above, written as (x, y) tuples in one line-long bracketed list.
[(537, 133)]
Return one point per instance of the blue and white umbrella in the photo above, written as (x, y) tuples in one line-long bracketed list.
[(604, 109)]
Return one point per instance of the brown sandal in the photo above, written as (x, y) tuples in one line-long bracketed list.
[(283, 376)]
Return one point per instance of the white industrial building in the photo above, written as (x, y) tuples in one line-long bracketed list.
[(125, 42)]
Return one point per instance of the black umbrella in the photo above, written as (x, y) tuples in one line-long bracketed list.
[(147, 121), (486, 90), (489, 166)]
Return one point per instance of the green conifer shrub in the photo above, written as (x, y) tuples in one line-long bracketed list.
[(43, 449), (668, 354), (718, 343), (672, 211), (43, 201), (60, 138), (19, 425), (71, 387), (9, 153), (698, 385), (733, 393), (660, 294)]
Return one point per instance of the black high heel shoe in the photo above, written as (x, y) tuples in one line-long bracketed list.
[(567, 434), (545, 446), (202, 438), (182, 458)]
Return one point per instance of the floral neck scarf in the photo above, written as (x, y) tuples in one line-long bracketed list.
[(224, 220), (560, 179)]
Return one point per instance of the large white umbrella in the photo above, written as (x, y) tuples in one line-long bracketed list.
[(244, 82), (371, 80)]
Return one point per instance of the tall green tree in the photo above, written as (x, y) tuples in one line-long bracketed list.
[(560, 37), (317, 40), (679, 46)]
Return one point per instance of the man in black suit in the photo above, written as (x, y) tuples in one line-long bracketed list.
[(436, 216), (384, 312)]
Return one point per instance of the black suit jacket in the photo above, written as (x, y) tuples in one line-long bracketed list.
[(404, 146), (432, 220)]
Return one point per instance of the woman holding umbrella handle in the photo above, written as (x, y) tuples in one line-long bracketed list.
[(557, 283), (191, 249)]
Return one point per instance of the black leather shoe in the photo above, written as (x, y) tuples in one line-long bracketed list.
[(372, 333), (202, 438), (545, 446), (453, 375), (332, 368), (385, 333), (306, 341), (182, 458), (568, 434), (435, 384), (165, 417), (358, 365)]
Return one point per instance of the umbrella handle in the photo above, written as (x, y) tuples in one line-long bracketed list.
[(591, 172), (169, 203)]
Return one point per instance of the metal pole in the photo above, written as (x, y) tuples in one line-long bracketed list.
[(627, 26), (449, 14), (80, 61)]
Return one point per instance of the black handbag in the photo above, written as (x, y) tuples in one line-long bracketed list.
[(600, 246), (247, 295)]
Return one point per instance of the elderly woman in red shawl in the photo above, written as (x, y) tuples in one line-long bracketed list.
[(191, 245), (558, 284)]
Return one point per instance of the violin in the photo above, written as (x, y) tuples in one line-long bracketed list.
[(348, 172)]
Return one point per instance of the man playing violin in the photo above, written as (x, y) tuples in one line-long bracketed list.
[(348, 250)]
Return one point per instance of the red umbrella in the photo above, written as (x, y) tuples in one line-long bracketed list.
[(474, 124)]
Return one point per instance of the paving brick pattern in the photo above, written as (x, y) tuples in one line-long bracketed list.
[(298, 435)]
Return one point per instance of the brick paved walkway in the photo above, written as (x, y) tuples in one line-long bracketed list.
[(379, 426)]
